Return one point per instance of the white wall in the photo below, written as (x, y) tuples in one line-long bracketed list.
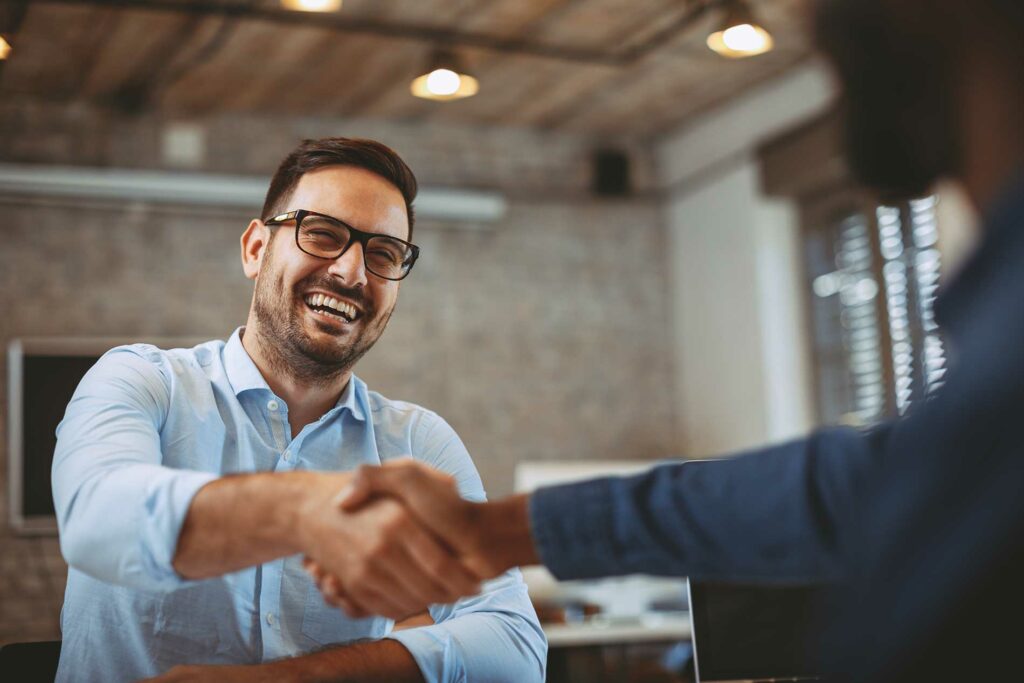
[(741, 348)]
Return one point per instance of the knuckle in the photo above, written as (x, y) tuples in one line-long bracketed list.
[(440, 566)]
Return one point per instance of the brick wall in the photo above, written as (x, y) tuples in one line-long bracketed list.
[(544, 337)]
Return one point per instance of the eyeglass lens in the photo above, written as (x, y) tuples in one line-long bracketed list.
[(383, 255)]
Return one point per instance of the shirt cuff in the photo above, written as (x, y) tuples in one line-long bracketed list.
[(572, 528), (434, 652), (166, 507)]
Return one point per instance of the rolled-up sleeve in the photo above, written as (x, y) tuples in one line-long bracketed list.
[(493, 636), (119, 509)]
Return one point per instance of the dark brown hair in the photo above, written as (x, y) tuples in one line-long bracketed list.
[(314, 154)]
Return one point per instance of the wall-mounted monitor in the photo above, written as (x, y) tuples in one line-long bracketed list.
[(42, 374)]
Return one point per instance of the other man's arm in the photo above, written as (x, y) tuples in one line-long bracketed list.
[(771, 514)]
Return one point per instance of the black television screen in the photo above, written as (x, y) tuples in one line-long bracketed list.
[(42, 376), (48, 384)]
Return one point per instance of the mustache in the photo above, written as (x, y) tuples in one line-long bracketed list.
[(353, 294)]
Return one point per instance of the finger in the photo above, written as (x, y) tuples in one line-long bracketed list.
[(393, 479), (314, 569), (406, 592), (385, 598), (334, 595), (436, 564), (351, 608), (358, 490), (376, 590), (419, 588), (330, 588)]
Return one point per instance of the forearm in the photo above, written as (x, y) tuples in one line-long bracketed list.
[(243, 520), (384, 661), (381, 661)]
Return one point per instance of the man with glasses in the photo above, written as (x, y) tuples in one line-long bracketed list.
[(191, 483)]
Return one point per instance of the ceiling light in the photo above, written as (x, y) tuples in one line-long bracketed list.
[(444, 79), (312, 5), (5, 48), (739, 34)]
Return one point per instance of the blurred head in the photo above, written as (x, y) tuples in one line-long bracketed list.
[(901, 64), (362, 183)]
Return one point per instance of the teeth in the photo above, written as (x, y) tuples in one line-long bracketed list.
[(346, 309)]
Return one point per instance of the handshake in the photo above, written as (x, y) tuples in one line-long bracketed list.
[(400, 538)]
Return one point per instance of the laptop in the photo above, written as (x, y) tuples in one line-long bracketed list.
[(753, 633)]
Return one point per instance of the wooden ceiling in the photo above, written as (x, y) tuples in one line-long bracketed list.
[(601, 67)]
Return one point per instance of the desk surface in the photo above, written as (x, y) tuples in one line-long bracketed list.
[(598, 630)]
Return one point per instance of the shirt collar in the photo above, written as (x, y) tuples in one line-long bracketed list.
[(355, 398), (1001, 245), (241, 371), (244, 376)]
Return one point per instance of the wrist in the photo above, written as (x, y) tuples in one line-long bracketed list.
[(504, 533)]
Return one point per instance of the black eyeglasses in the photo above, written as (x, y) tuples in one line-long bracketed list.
[(328, 238)]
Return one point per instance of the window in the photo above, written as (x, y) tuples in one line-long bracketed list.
[(873, 272)]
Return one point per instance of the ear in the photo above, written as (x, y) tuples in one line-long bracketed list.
[(255, 241)]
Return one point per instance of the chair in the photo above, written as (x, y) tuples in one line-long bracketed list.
[(30, 662)]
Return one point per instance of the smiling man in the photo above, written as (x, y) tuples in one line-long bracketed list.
[(190, 483)]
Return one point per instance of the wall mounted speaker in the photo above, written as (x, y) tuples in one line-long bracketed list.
[(611, 173)]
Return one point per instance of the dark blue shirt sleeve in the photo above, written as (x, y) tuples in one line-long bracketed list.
[(770, 515)]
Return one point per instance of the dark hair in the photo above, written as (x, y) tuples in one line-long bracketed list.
[(314, 154)]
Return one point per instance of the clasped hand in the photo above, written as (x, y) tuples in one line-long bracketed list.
[(399, 538)]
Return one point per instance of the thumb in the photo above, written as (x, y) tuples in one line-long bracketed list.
[(358, 491)]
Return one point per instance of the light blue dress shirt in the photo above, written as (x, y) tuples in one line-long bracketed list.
[(145, 430)]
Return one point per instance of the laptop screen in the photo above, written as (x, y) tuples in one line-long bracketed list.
[(743, 632)]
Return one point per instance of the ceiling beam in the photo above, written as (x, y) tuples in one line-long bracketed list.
[(691, 11)]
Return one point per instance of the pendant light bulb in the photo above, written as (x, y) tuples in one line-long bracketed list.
[(443, 82), (312, 5), (444, 79), (739, 34)]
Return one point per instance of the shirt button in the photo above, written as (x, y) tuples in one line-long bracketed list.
[(286, 455), (272, 405), (270, 618)]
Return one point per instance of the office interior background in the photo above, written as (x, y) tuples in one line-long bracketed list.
[(634, 248)]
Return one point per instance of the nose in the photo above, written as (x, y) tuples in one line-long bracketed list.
[(349, 267)]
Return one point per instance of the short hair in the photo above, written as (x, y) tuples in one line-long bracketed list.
[(311, 155)]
